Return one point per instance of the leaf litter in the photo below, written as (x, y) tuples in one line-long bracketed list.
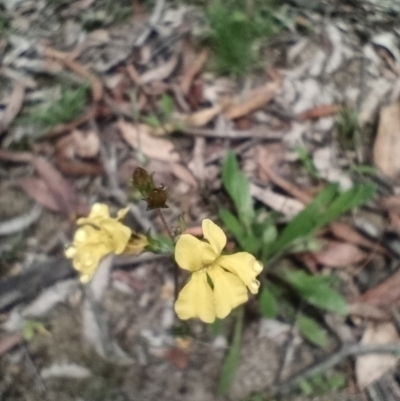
[(128, 70)]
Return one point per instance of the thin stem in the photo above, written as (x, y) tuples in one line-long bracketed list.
[(176, 283)]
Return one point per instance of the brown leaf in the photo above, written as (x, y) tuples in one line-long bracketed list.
[(201, 117), (253, 101), (183, 174), (178, 357), (63, 193), (345, 232), (371, 367), (387, 143), (9, 341), (16, 157), (367, 311), (38, 190), (192, 71), (78, 168), (339, 254), (86, 144), (13, 107), (161, 72), (385, 294), (139, 138), (320, 112)]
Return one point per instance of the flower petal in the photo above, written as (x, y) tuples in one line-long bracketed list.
[(122, 213), (196, 299), (229, 291), (192, 254), (99, 210), (214, 235), (243, 265), (119, 234)]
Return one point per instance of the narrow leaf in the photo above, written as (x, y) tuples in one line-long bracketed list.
[(231, 362), (238, 187), (268, 304), (312, 331)]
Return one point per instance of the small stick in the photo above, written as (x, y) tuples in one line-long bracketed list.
[(344, 352)]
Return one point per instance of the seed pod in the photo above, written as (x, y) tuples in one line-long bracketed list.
[(157, 198), (143, 181)]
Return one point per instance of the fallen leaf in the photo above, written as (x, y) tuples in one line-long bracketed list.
[(253, 101), (86, 144), (339, 254), (77, 168), (387, 143), (385, 294), (201, 117), (367, 311), (193, 70), (9, 341), (13, 107), (38, 190), (66, 371), (20, 223), (139, 138), (345, 232), (161, 72), (371, 367), (320, 112), (178, 357), (183, 174), (16, 157), (62, 192), (289, 207)]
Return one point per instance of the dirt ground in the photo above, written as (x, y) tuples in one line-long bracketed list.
[(327, 62)]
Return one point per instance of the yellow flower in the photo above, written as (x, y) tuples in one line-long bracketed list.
[(230, 275), (99, 235)]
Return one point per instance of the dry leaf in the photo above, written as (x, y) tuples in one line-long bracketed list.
[(387, 142), (320, 112), (289, 207), (339, 254), (178, 357), (62, 192), (139, 138), (86, 144), (253, 101), (192, 71), (385, 294), (371, 367), (20, 223), (9, 341), (200, 118), (13, 107), (38, 190), (183, 174), (345, 232), (161, 72)]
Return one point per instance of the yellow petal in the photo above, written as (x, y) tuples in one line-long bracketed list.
[(214, 235), (122, 213), (196, 299), (136, 244), (192, 254), (99, 210), (119, 234), (229, 291), (243, 265)]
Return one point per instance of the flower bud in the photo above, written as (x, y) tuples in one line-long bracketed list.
[(157, 198), (143, 181)]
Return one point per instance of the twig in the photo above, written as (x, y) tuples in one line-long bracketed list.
[(332, 360)]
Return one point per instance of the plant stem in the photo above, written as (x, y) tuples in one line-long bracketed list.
[(176, 284)]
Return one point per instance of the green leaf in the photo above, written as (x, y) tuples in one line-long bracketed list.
[(216, 327), (327, 206), (152, 120), (166, 106), (268, 304), (312, 331), (346, 201), (317, 291), (231, 361), (238, 187), (305, 387)]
